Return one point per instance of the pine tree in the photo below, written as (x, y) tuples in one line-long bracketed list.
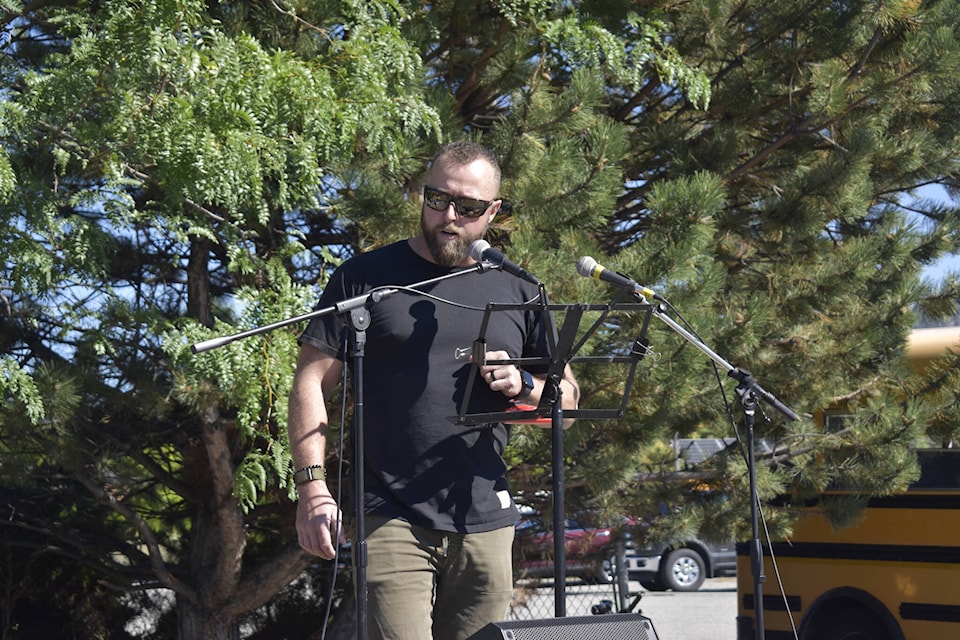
[(782, 222), (176, 171)]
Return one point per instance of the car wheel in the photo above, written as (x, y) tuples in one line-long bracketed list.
[(684, 570), (852, 624), (602, 573), (653, 585)]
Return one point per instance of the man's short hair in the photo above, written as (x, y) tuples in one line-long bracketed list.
[(464, 152)]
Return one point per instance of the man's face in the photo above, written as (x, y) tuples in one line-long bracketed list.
[(447, 233)]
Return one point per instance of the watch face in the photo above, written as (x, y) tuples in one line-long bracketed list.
[(527, 379)]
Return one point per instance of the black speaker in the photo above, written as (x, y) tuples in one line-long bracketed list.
[(614, 626)]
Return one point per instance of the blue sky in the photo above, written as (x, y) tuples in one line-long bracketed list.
[(947, 264), (942, 267)]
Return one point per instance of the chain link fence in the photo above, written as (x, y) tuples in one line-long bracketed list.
[(535, 600), (594, 584)]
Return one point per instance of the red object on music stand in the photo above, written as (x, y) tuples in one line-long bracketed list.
[(517, 407)]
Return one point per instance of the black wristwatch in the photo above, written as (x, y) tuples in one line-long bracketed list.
[(527, 380)]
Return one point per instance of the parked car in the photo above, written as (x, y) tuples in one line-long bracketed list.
[(681, 567), (590, 554), (589, 551)]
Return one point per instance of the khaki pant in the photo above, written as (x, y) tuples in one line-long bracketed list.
[(424, 584)]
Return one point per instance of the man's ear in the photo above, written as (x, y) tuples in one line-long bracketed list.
[(495, 209)]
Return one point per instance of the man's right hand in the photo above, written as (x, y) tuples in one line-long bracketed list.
[(318, 520)]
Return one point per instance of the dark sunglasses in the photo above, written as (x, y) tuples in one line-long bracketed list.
[(466, 207)]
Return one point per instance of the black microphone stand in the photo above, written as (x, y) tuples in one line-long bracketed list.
[(749, 392), (355, 313)]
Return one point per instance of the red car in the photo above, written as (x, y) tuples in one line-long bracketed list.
[(589, 551)]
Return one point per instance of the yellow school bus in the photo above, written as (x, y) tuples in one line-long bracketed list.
[(895, 575)]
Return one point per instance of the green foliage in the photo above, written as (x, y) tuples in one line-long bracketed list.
[(938, 388), (629, 57), (17, 384), (780, 221), (249, 378), (175, 171), (160, 166)]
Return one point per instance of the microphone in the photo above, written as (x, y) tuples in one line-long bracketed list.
[(590, 268), (481, 250)]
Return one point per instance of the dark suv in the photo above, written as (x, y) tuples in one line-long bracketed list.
[(681, 567)]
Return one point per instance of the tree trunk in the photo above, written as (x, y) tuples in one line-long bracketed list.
[(194, 622), (198, 283)]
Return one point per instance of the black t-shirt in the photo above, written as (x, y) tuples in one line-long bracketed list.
[(419, 465)]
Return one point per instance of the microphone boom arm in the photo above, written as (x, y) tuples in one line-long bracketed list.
[(371, 297), (742, 376)]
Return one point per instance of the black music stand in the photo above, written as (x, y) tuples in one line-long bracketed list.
[(562, 349)]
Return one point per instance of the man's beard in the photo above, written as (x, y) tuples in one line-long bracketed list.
[(447, 254)]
